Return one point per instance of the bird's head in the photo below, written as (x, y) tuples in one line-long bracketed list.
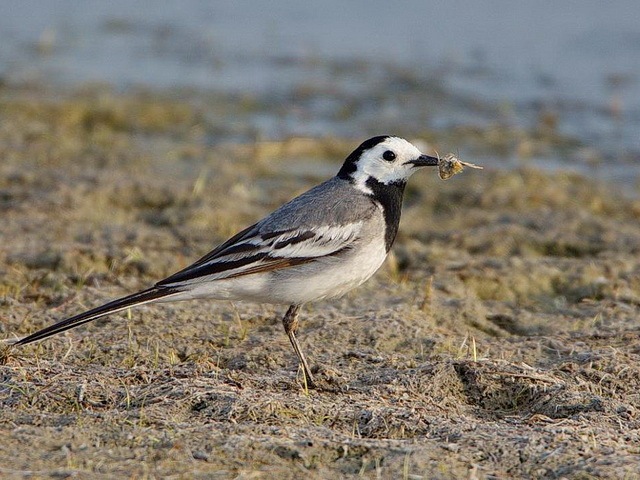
[(384, 159)]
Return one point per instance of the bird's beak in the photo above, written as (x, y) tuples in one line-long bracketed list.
[(424, 161)]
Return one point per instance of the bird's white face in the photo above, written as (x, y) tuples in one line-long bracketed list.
[(393, 160)]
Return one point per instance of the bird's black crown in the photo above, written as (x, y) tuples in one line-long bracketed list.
[(349, 166)]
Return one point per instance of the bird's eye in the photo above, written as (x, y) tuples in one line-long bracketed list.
[(389, 156)]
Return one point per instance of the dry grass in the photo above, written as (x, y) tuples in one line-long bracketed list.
[(500, 341)]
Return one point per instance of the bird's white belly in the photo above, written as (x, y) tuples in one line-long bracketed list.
[(330, 278), (326, 277)]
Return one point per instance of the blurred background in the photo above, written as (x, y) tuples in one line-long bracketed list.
[(555, 84)]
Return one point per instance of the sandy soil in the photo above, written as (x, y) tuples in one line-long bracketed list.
[(500, 340)]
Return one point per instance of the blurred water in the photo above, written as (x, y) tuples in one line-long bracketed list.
[(579, 58)]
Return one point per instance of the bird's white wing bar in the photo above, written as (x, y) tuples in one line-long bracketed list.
[(256, 251), (319, 242)]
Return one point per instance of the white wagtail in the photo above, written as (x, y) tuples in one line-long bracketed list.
[(319, 245)]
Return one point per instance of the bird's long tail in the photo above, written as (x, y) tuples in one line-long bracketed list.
[(146, 296)]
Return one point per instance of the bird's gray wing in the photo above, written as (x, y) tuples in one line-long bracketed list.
[(325, 221)]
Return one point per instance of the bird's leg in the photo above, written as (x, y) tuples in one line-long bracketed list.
[(290, 323)]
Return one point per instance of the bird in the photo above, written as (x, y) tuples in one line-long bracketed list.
[(319, 245)]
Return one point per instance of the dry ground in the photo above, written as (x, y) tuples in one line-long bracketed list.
[(499, 341)]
